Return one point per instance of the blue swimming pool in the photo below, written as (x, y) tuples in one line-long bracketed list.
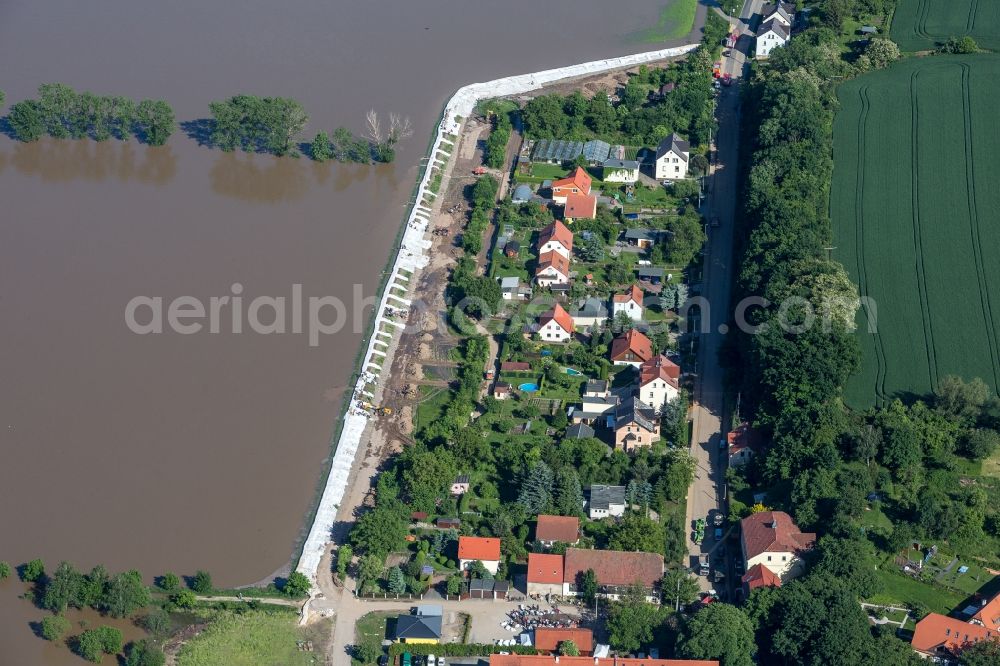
[(573, 373), (529, 387)]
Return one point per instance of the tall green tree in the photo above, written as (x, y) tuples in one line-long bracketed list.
[(632, 621), (144, 653), (63, 589), (568, 492), (395, 581), (27, 120), (721, 632), (154, 121), (125, 594), (536, 489)]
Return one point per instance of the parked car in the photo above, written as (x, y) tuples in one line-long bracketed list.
[(722, 442)]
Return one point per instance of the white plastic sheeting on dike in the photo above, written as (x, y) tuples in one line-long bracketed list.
[(412, 255)]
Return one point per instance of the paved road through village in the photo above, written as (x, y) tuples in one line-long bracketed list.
[(709, 412)]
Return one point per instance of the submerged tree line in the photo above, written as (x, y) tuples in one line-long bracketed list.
[(247, 122)]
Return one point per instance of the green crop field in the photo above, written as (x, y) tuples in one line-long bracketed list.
[(916, 195), (919, 25)]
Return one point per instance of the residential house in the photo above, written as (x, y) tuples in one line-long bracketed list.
[(642, 238), (576, 183), (987, 613), (545, 574), (616, 571), (580, 207), (552, 270), (759, 576), (659, 381), (741, 442), (782, 12), (561, 529), (555, 325), (555, 660), (597, 388), (651, 274), (460, 485), (636, 425), (770, 36), (942, 637), (556, 237), (630, 303), (633, 348), (672, 156), (548, 639), (589, 314), (448, 523), (483, 549), (511, 289), (593, 410), (418, 629), (772, 539), (620, 171), (579, 431), (522, 194), (502, 391), (606, 501)]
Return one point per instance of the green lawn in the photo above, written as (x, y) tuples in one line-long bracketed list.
[(250, 639), (901, 590), (372, 625), (674, 22), (913, 194), (919, 25)]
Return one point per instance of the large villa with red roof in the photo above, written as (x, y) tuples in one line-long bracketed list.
[(772, 540)]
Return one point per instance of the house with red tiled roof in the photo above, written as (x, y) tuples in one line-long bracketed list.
[(553, 268), (580, 207), (578, 182), (773, 540), (630, 303), (941, 636), (633, 348), (482, 549), (553, 660), (986, 613), (545, 574), (742, 443), (548, 639), (659, 382), (759, 576), (555, 325), (561, 529), (556, 237), (616, 571)]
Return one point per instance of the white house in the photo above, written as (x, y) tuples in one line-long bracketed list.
[(630, 303), (782, 12), (659, 382), (672, 157), (620, 171), (483, 549), (553, 268), (773, 540), (770, 36), (556, 237), (555, 325), (606, 501), (511, 289)]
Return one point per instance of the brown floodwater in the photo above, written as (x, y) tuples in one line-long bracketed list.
[(178, 452)]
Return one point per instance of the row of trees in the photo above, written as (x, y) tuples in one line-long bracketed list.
[(61, 112), (639, 118)]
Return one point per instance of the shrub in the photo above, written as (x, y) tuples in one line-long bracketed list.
[(54, 627), (183, 599), (32, 571), (202, 582), (144, 653), (169, 582), (4, 570), (94, 643)]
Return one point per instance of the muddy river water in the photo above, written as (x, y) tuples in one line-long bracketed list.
[(178, 452)]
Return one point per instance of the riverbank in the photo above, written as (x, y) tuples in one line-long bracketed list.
[(411, 257)]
